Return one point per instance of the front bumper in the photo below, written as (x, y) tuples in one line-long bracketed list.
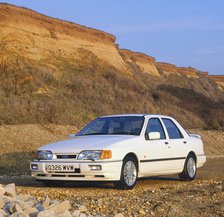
[(110, 171)]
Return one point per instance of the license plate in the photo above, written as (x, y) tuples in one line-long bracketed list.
[(60, 168)]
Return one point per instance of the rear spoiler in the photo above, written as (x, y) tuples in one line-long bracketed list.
[(195, 135)]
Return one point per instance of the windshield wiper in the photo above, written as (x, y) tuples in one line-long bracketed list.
[(93, 134), (118, 133), (122, 133)]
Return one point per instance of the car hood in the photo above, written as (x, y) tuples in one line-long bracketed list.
[(80, 143)]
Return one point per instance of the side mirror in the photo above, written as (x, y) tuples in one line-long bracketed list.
[(154, 135), (71, 136)]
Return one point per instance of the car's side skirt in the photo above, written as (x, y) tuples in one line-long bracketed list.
[(162, 159), (161, 166)]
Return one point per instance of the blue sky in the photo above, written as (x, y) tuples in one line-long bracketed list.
[(182, 32)]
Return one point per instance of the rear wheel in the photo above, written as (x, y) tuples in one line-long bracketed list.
[(190, 169), (129, 174)]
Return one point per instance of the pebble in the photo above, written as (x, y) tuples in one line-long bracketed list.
[(39, 207), (10, 190), (19, 214), (2, 203), (82, 209), (61, 207), (31, 211), (76, 213), (119, 215), (22, 197), (218, 187), (2, 190), (14, 207), (46, 213), (65, 214), (47, 201), (142, 212), (3, 213), (7, 199)]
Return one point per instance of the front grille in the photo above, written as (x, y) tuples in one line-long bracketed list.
[(58, 175), (66, 156)]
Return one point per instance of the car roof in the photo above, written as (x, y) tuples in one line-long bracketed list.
[(138, 115)]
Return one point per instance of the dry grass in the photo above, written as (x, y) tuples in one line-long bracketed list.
[(33, 93), (18, 142)]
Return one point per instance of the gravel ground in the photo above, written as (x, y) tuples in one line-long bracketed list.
[(159, 196), (198, 198)]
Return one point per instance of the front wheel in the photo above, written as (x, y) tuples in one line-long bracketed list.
[(129, 174), (190, 169)]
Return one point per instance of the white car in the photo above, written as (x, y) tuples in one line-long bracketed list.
[(121, 149)]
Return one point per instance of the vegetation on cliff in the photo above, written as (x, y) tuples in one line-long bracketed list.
[(52, 76)]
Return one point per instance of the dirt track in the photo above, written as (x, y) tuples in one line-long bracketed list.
[(156, 196)]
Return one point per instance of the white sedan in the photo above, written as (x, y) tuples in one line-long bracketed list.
[(121, 149)]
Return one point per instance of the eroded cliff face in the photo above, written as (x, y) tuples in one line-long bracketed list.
[(189, 72), (40, 38), (167, 68), (219, 79), (145, 63), (26, 33), (148, 64)]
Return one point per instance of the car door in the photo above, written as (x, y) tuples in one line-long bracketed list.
[(155, 152), (177, 145)]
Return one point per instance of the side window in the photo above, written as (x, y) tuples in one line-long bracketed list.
[(154, 125), (172, 129)]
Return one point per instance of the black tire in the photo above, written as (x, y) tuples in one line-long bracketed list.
[(126, 182), (190, 169), (49, 183)]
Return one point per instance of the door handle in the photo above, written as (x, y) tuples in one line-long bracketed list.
[(166, 143), (184, 142)]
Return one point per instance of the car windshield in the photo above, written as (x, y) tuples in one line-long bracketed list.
[(118, 125)]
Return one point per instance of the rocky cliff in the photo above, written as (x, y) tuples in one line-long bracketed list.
[(146, 64), (38, 37), (167, 68), (61, 72), (219, 79)]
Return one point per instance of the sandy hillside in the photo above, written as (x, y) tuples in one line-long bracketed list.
[(53, 71)]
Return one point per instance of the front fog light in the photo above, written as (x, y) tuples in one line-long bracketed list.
[(34, 166), (95, 167)]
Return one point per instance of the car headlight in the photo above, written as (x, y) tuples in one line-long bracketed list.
[(95, 155), (43, 155)]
